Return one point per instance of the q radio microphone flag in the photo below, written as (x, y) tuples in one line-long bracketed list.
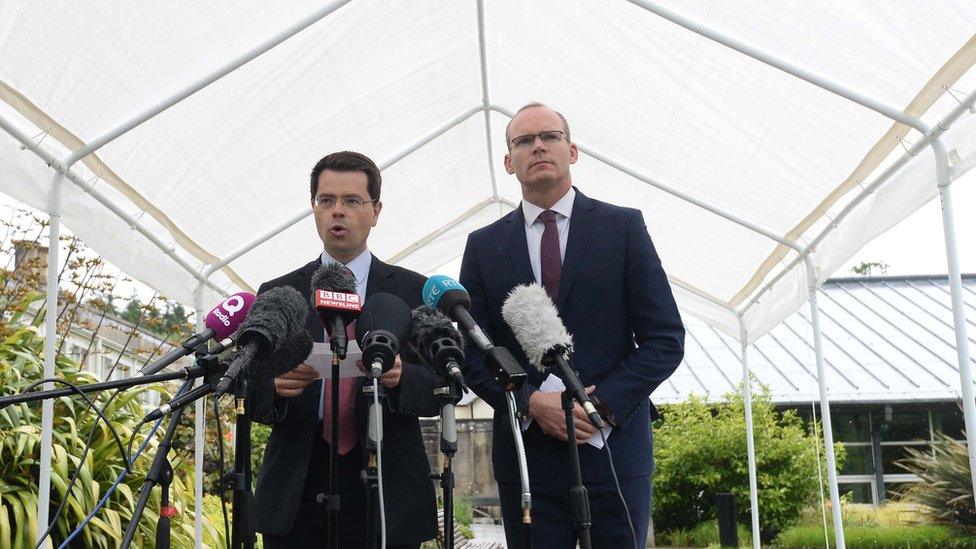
[(278, 315), (530, 313), (221, 322), (383, 326), (449, 297), (334, 297)]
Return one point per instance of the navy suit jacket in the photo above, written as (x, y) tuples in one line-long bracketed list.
[(410, 502), (614, 299)]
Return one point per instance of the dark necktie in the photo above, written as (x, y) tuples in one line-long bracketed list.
[(348, 433), (551, 262)]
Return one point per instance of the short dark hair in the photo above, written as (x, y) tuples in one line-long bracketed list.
[(349, 161), (534, 104)]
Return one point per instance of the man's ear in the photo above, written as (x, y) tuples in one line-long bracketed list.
[(377, 208), (508, 164), (573, 153)]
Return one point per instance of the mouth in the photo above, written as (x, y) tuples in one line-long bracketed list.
[(338, 230), (540, 163)]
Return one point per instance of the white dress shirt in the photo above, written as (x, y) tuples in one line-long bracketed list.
[(534, 228)]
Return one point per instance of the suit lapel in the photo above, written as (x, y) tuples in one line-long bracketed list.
[(580, 226), (312, 323), (380, 279), (518, 249)]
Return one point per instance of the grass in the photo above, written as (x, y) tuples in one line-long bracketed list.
[(926, 536)]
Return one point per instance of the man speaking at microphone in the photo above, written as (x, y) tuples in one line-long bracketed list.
[(598, 265), (345, 196)]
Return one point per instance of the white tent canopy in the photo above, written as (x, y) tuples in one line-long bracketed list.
[(222, 168), (737, 165)]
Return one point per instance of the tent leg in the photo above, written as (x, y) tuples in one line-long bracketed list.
[(50, 334), (750, 442), (828, 432), (198, 429), (958, 310)]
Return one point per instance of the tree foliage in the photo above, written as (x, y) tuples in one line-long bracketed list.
[(700, 450)]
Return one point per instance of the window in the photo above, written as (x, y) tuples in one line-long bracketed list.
[(855, 427), (861, 492), (948, 419), (859, 461), (905, 425)]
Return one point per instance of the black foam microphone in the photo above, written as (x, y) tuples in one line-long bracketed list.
[(438, 343), (383, 326), (276, 317), (533, 318), (449, 297), (334, 297), (293, 352)]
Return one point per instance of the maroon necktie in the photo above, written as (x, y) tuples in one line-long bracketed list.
[(348, 434), (552, 264)]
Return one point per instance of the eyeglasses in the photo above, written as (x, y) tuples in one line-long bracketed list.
[(548, 138), (327, 202)]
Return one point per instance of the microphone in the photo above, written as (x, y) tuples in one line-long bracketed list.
[(533, 318), (221, 322), (449, 297), (276, 317), (438, 343), (293, 352), (334, 297), (383, 325)]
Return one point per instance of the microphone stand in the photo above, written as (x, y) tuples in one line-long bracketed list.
[(449, 395), (507, 373), (579, 502), (331, 499), (370, 475), (161, 471), (243, 534), (523, 472)]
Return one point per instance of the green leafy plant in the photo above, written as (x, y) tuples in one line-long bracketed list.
[(700, 450), (926, 536), (944, 489), (20, 440)]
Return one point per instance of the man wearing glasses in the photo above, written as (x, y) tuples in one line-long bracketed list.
[(598, 265), (345, 199)]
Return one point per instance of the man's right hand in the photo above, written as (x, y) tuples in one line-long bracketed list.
[(547, 409), (293, 382)]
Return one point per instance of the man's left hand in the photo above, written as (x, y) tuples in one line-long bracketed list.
[(389, 379)]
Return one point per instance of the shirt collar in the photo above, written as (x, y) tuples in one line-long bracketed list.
[(359, 265), (563, 207)]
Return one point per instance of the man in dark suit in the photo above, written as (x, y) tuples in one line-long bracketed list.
[(345, 190), (598, 264)]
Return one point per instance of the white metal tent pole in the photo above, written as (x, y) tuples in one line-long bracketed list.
[(63, 166), (198, 430), (811, 282), (750, 438), (73, 176), (485, 98), (958, 315), (50, 333)]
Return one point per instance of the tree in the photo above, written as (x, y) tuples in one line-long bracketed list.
[(866, 268), (700, 450)]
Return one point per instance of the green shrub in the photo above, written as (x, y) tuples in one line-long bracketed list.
[(700, 450), (20, 436), (926, 536)]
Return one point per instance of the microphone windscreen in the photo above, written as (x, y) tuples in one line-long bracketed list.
[(333, 277), (428, 325), (227, 316), (275, 317), (443, 293), (534, 320), (384, 311), (292, 352)]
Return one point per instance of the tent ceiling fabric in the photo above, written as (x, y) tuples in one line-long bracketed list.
[(220, 169)]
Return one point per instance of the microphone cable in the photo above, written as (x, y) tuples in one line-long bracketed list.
[(88, 445), (129, 461), (220, 471), (616, 483), (378, 421)]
